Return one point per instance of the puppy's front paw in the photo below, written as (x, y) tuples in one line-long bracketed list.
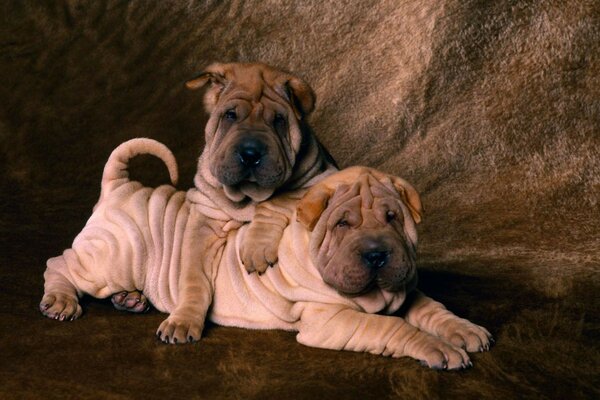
[(60, 307), (134, 301), (259, 247), (466, 335), (439, 355), (435, 353), (176, 330)]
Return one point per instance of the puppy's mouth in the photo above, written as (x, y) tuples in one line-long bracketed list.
[(397, 284), (258, 185), (268, 174), (245, 190)]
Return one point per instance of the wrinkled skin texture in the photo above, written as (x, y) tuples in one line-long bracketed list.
[(362, 219), (365, 236), (108, 255)]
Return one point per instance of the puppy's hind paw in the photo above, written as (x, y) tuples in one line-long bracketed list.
[(134, 301), (60, 307)]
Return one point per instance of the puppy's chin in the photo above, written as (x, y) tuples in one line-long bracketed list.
[(376, 283), (357, 292), (392, 287), (247, 189)]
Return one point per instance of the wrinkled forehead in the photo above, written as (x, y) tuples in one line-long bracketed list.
[(367, 192), (254, 84)]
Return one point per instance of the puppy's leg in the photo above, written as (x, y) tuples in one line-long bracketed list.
[(61, 297), (261, 241), (431, 316), (134, 301), (203, 243), (340, 328)]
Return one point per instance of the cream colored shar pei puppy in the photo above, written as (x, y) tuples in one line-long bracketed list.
[(350, 253), (257, 145)]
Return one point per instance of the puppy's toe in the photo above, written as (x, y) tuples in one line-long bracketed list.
[(457, 340), (434, 360), (457, 359), (271, 256), (476, 339)]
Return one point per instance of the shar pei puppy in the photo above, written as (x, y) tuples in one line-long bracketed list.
[(348, 254), (346, 264), (258, 146)]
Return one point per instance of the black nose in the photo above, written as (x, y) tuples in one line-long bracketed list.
[(376, 259), (250, 152)]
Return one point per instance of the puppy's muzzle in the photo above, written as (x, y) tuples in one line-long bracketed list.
[(386, 262)]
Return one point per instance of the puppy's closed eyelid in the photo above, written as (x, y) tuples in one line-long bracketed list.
[(341, 223)]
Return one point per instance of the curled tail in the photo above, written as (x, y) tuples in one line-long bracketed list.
[(115, 171)]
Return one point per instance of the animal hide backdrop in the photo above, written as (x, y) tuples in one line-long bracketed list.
[(490, 108)]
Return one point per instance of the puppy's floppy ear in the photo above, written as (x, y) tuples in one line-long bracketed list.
[(312, 205), (212, 75), (215, 75), (301, 97), (410, 197)]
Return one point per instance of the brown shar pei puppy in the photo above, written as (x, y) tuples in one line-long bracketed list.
[(256, 138), (257, 145)]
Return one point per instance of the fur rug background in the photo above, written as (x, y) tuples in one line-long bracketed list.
[(491, 109)]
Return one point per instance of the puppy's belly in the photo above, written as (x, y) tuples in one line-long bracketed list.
[(132, 241)]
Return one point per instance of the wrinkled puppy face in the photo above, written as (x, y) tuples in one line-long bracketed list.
[(253, 135), (364, 235)]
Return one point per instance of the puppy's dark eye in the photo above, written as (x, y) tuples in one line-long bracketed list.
[(390, 216), (341, 223), (278, 119), (230, 115)]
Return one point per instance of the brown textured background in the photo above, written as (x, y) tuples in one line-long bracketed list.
[(491, 109)]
